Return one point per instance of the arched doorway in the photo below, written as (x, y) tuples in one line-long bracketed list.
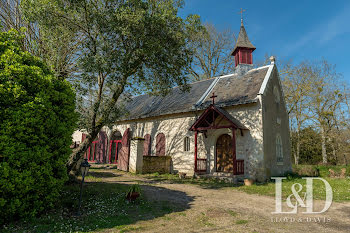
[(115, 146), (224, 155)]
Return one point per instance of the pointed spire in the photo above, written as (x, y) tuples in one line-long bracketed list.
[(243, 50), (243, 40)]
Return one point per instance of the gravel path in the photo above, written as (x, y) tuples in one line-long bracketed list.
[(229, 210)]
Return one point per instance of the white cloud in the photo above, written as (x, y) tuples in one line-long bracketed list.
[(324, 32)]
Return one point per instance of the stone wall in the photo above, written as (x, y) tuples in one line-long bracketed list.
[(275, 122), (176, 128), (160, 164)]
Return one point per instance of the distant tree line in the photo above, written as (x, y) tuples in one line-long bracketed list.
[(318, 108)]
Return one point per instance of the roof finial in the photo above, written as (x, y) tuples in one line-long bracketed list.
[(273, 60), (241, 12)]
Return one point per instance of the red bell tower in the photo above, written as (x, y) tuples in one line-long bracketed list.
[(243, 51)]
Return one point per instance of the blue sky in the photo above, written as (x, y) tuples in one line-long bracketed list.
[(295, 30)]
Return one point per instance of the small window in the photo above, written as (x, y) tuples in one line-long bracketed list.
[(279, 149), (186, 144)]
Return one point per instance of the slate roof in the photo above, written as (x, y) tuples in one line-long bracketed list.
[(238, 89), (243, 40), (230, 89)]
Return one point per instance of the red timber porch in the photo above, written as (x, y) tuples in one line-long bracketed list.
[(215, 118)]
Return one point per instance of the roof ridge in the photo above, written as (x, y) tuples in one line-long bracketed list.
[(217, 77)]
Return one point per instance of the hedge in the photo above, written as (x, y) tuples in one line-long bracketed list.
[(37, 119)]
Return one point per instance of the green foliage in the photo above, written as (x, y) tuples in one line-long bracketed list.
[(306, 170), (324, 170), (340, 188), (123, 48), (310, 146), (135, 188), (132, 46), (37, 119)]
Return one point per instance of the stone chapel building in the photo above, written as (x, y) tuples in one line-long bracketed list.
[(234, 125)]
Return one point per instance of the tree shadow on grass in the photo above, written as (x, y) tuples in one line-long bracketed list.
[(103, 174), (104, 207), (208, 183)]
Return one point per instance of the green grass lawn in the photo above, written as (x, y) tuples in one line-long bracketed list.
[(103, 207), (340, 186)]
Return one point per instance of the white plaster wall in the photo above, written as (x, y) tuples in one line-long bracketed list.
[(136, 156), (175, 129), (77, 136)]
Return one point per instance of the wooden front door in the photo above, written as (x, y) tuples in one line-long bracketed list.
[(224, 155)]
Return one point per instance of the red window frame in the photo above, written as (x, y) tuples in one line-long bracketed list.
[(88, 153), (116, 150)]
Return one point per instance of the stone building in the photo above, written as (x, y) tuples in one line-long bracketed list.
[(232, 125)]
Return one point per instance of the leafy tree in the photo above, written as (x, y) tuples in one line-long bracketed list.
[(126, 46), (56, 46), (325, 101), (297, 85), (310, 151), (37, 120), (314, 98), (11, 17)]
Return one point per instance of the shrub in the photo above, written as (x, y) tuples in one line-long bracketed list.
[(306, 170), (37, 119), (325, 170)]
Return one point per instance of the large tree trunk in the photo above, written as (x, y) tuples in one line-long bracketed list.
[(297, 152), (334, 153), (297, 155), (77, 155), (323, 143), (345, 159)]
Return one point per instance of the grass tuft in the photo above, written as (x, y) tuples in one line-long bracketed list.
[(242, 221)]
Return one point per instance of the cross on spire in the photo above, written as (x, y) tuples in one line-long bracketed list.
[(241, 12), (213, 97)]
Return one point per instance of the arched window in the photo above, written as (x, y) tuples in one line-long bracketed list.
[(187, 144), (160, 144), (279, 149), (147, 145)]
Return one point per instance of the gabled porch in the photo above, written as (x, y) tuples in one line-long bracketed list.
[(215, 118)]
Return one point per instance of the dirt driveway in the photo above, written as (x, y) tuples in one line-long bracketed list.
[(228, 210)]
